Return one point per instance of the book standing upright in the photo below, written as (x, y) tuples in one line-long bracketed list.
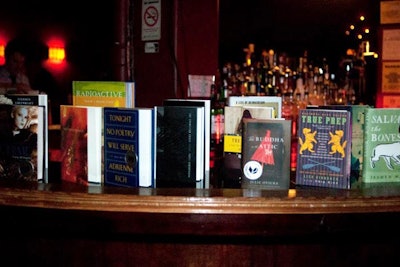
[(81, 144), (37, 100), (206, 103), (266, 154), (22, 142), (103, 93), (357, 138), (381, 146), (128, 147), (324, 148), (179, 146), (260, 101), (232, 148)]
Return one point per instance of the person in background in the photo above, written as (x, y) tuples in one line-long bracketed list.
[(42, 79), (13, 78)]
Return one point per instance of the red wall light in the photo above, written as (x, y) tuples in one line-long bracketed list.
[(56, 52), (3, 43), (2, 56)]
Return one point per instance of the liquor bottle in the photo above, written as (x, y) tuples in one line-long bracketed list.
[(290, 112), (217, 133)]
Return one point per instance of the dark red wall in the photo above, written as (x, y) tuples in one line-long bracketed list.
[(188, 45)]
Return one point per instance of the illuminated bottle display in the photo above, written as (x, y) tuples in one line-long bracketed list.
[(218, 90), (300, 81), (272, 73)]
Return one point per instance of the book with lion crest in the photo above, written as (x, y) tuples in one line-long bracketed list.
[(381, 146), (324, 148)]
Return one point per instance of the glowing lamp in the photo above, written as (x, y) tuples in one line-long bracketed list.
[(3, 42), (56, 54), (2, 56)]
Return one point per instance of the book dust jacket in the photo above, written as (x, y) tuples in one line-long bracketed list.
[(179, 158), (381, 145), (266, 154), (324, 148), (81, 143), (128, 146), (21, 142)]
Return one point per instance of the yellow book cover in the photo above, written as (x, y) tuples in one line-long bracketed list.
[(103, 93)]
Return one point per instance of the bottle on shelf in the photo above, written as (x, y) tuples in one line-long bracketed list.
[(217, 131)]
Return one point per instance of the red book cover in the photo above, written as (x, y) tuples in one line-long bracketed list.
[(266, 154)]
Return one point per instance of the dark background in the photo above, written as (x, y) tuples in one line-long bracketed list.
[(86, 26), (317, 26), (89, 30)]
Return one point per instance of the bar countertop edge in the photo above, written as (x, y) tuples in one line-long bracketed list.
[(368, 199)]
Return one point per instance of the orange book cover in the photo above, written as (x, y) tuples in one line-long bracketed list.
[(81, 143)]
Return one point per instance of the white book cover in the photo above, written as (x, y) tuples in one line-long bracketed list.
[(235, 114), (273, 101)]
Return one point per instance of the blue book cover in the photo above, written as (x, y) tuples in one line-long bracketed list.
[(128, 147), (324, 148), (357, 138)]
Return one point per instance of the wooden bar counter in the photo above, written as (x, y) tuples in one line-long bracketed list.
[(71, 225)]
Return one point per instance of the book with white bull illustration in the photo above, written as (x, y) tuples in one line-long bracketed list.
[(381, 145)]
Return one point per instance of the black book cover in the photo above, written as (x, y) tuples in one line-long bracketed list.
[(179, 158), (206, 104)]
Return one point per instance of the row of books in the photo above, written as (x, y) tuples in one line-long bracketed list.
[(347, 146), (24, 122), (336, 146), (164, 146), (169, 145), (106, 140), (256, 142)]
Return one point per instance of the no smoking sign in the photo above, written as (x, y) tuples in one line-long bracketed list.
[(151, 16)]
